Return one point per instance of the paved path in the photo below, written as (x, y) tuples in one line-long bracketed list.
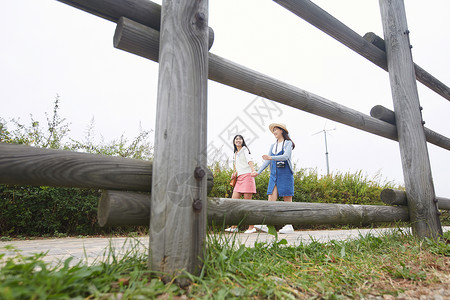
[(92, 250)]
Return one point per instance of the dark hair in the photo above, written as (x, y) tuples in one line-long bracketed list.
[(243, 143), (286, 136)]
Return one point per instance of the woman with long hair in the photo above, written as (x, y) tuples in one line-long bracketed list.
[(245, 172), (281, 181)]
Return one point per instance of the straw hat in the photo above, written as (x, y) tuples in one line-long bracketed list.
[(281, 125)]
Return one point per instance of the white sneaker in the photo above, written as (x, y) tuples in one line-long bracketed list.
[(263, 228), (253, 230), (232, 229), (286, 229)]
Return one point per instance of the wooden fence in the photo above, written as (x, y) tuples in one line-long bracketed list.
[(178, 37)]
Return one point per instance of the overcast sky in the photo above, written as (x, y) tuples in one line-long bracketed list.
[(49, 48)]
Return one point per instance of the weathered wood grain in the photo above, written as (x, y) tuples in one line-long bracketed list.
[(397, 197), (136, 39), (382, 113), (135, 208), (129, 37), (144, 41), (421, 75), (178, 206), (25, 165), (145, 12), (413, 148), (319, 18), (375, 40), (135, 211), (278, 213)]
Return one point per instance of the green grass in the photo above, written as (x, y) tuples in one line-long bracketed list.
[(332, 270)]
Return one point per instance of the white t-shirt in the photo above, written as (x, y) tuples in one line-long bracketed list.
[(242, 159), (278, 147)]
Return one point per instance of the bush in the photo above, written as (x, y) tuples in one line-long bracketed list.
[(43, 210), (344, 188), (221, 187), (48, 211)]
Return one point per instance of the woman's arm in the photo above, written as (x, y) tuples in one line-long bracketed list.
[(252, 166), (234, 173), (249, 160), (265, 163)]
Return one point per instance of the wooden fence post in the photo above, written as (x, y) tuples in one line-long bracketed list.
[(413, 149), (178, 204)]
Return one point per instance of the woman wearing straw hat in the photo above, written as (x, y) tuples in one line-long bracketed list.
[(281, 181), (245, 172)]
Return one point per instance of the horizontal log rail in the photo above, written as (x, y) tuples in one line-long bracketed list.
[(148, 13), (144, 41), (25, 165), (120, 10), (319, 18), (382, 113), (118, 208), (144, 12), (398, 197), (421, 75)]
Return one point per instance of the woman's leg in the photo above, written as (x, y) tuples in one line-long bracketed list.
[(288, 228), (274, 195), (235, 195), (248, 196), (287, 198)]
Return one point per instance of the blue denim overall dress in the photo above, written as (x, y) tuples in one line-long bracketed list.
[(280, 177)]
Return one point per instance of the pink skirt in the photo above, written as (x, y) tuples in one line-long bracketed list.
[(245, 184)]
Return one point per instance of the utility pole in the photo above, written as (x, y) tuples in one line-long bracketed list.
[(326, 146)]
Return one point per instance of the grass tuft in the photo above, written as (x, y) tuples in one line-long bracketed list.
[(388, 264)]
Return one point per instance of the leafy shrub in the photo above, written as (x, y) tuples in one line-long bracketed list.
[(222, 188), (48, 211), (42, 210), (344, 188)]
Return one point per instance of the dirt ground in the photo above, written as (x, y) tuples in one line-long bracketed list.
[(435, 287)]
